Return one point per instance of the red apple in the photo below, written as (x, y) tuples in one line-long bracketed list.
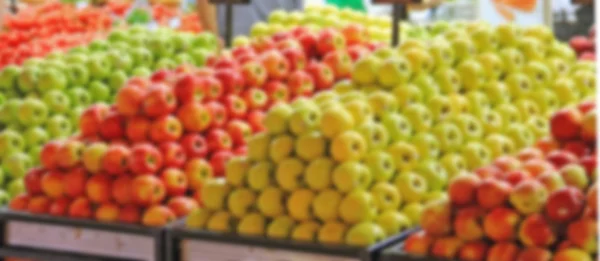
[(565, 124), (492, 193), (80, 207), (232, 80), (276, 64), (277, 92), (147, 190), (157, 216), (255, 119), (462, 189), (39, 204), (418, 244), (340, 63), (217, 112), (300, 83), (468, 223), (329, 40), (535, 231), (436, 218), (173, 154), (534, 254), (69, 154), (218, 139), (504, 251), (564, 205), (116, 159), (473, 251), (214, 88), (218, 161), (74, 182), (137, 129), (295, 57), (159, 101), (560, 158), (97, 188), (578, 148), (91, 119), (59, 207), (195, 117), (121, 189), (322, 74), (197, 172), (129, 100), (182, 206), (48, 154), (507, 163), (166, 128), (130, 214), (582, 233), (145, 159), (194, 145), (239, 131), (500, 224), (19, 203), (254, 73), (236, 106), (189, 88), (53, 184), (33, 181), (255, 98)]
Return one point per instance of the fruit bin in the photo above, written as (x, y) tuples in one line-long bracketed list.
[(184, 244), (51, 238)]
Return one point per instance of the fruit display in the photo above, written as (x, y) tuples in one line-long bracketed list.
[(319, 17), (356, 164), (145, 158), (585, 46), (539, 205), (39, 31), (43, 99)]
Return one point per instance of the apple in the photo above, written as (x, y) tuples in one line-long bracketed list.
[(364, 234), (566, 124), (536, 231), (528, 196), (500, 224), (198, 171)]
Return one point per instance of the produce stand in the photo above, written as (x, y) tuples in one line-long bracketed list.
[(55, 238), (185, 244)]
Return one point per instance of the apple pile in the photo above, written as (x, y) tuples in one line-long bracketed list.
[(585, 46), (36, 32), (145, 158), (539, 205), (43, 99)]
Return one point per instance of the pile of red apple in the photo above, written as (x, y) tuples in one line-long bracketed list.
[(585, 46), (38, 31), (539, 205), (144, 159)]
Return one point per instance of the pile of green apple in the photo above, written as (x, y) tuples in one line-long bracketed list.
[(319, 17), (42, 99), (355, 164)]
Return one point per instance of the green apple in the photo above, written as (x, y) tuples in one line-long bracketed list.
[(312, 145), (99, 45), (382, 102), (449, 136), (206, 40), (484, 39), (78, 74), (17, 164), (165, 63), (252, 224), (527, 108), (566, 91), (558, 67), (241, 201), (160, 46), (375, 134), (472, 74), (99, 91), (434, 173), (4, 197), (585, 81), (510, 114), (120, 60), (318, 174), (405, 155), (99, 66), (440, 107), (538, 125), (539, 73), (469, 126), (385, 52), (419, 116), (141, 56), (336, 120), (386, 196), (412, 187), (427, 145), (495, 92), (364, 234), (563, 51), (270, 202), (117, 79), (59, 126), (142, 71), (361, 110), (344, 86), (57, 101), (427, 84), (281, 147), (393, 222), (478, 102), (289, 173), (448, 80), (507, 34), (10, 141), (214, 194), (351, 175), (366, 70), (476, 155), (357, 206), (513, 59), (499, 145), (9, 77), (281, 227), (381, 165), (397, 125), (413, 211), (35, 136), (520, 134), (442, 54), (304, 119), (199, 56), (491, 121), (277, 118), (258, 146), (32, 112), (394, 71), (28, 79), (236, 170), (79, 97), (547, 101), (9, 111), (259, 175), (407, 95), (15, 187), (454, 164)]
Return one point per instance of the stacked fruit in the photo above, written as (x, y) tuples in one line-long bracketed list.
[(156, 145), (424, 112), (537, 206), (44, 98), (36, 32), (585, 46), (318, 17)]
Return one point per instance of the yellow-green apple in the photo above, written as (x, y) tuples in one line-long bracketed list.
[(393, 221), (332, 233), (440, 107), (394, 71), (348, 146), (221, 221), (289, 173), (552, 180), (215, 193), (381, 165), (470, 127), (281, 147), (325, 205), (197, 172), (454, 164), (240, 201), (386, 196), (277, 119), (574, 175), (528, 196), (271, 202), (252, 224), (569, 254), (500, 224), (299, 204), (304, 119), (280, 227), (357, 206), (361, 110), (198, 218), (449, 136), (420, 60), (397, 125), (260, 175), (364, 234), (536, 231), (366, 70), (406, 95), (318, 174), (442, 54), (499, 145), (351, 175), (305, 231), (92, 156), (97, 188), (434, 173), (566, 91), (476, 154), (236, 171), (419, 116), (336, 120), (405, 155), (258, 146), (412, 187), (311, 145)]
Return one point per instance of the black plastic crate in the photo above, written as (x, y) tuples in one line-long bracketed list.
[(186, 245), (49, 238)]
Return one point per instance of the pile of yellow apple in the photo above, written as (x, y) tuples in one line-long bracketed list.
[(354, 165)]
